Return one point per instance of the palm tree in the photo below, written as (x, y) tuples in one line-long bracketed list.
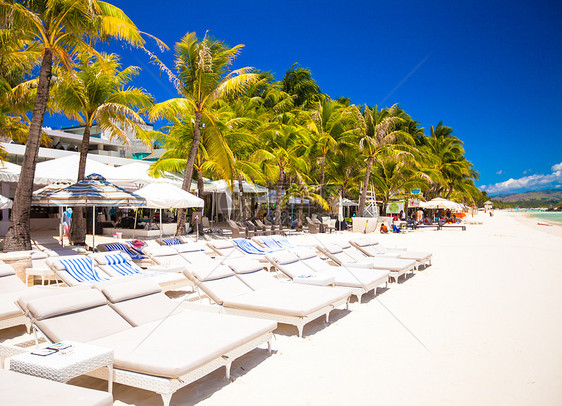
[(302, 191), (96, 92), (284, 142), (396, 173), (330, 120), (298, 83), (377, 133), (445, 162), (58, 29), (202, 80)]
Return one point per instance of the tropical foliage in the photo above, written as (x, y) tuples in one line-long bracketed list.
[(240, 125)]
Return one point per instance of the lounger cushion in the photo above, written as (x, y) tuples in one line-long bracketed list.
[(160, 251), (117, 292), (182, 342), (51, 306), (115, 257), (186, 248), (393, 264), (8, 309), (21, 389), (11, 283), (286, 300), (222, 244), (6, 270), (208, 273), (221, 289), (282, 257), (241, 266), (362, 242), (146, 309), (83, 326)]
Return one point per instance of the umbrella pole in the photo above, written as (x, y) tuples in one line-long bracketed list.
[(135, 224), (160, 224), (61, 226), (93, 228)]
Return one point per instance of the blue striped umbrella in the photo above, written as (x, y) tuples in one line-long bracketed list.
[(91, 191)]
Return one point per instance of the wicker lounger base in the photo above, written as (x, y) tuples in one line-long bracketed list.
[(15, 321), (166, 387)]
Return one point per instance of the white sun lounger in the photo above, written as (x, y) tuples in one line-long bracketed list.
[(119, 264), (159, 356), (366, 246), (360, 279), (293, 307), (11, 287), (227, 248)]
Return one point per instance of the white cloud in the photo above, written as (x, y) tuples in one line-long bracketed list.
[(531, 182), (499, 172), (526, 171)]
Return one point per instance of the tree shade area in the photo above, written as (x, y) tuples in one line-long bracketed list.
[(241, 125)]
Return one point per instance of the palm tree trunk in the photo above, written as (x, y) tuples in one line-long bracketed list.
[(322, 174), (300, 216), (77, 234), (449, 192), (242, 198), (189, 169), (278, 197), (18, 236), (361, 208)]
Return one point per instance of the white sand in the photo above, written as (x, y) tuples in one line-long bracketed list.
[(481, 326)]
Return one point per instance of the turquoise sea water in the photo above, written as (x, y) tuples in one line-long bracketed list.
[(550, 216)]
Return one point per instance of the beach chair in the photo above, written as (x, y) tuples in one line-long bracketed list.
[(76, 270), (228, 248), (294, 307), (359, 279), (313, 227), (266, 229), (23, 389), (136, 254), (11, 287), (119, 265), (39, 268), (148, 356), (290, 265), (268, 242), (249, 247), (237, 230), (376, 250)]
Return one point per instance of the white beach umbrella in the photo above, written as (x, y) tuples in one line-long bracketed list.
[(9, 172), (440, 203), (167, 196), (5, 203)]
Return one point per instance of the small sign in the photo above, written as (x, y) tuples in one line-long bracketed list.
[(394, 207)]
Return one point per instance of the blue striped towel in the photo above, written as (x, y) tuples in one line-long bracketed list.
[(120, 264), (122, 247), (283, 242), (271, 243), (82, 269), (248, 247), (171, 241)]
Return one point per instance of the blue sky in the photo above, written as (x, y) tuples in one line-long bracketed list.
[(491, 70)]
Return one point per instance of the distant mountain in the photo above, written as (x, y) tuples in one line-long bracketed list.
[(539, 198), (540, 195)]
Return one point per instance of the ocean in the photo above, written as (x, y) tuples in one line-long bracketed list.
[(548, 215)]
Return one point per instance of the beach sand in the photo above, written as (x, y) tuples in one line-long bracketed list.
[(481, 326)]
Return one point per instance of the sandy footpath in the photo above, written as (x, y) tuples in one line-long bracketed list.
[(481, 326)]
